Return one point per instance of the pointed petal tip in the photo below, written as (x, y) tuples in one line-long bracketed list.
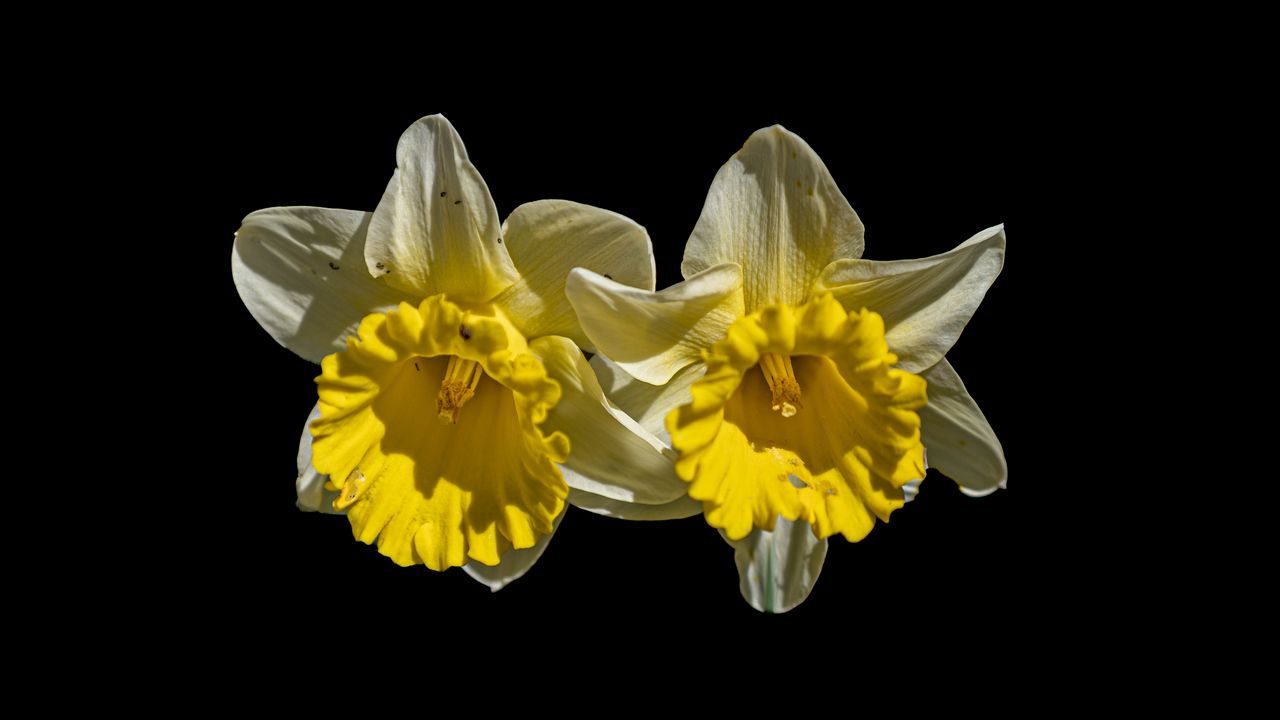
[(434, 118), (494, 584), (969, 492), (579, 275), (775, 130), (984, 492)]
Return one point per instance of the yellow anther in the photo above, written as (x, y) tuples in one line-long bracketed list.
[(782, 382), (458, 386)]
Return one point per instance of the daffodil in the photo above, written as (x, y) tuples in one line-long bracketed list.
[(799, 384), (452, 386)]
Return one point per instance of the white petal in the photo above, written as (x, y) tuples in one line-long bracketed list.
[(958, 438), (675, 510), (775, 210), (776, 570), (925, 303), (610, 453), (652, 335), (910, 490), (300, 272), (514, 563), (547, 239), (647, 404), (311, 493), (436, 229)]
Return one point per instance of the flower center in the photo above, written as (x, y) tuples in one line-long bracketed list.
[(782, 382), (458, 386), (448, 490), (841, 464)]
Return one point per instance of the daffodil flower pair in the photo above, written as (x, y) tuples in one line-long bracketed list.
[(800, 385), (786, 389), (452, 385)]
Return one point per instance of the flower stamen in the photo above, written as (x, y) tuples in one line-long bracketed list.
[(458, 386), (782, 381)]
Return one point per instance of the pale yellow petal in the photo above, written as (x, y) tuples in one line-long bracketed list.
[(775, 210), (777, 569), (647, 403), (547, 239), (652, 335), (957, 437), (313, 496), (436, 229), (611, 454), (925, 303), (677, 509), (300, 272)]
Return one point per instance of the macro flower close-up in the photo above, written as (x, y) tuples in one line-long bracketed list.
[(803, 390), (452, 385)]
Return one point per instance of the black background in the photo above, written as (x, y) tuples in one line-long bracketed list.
[(925, 167)]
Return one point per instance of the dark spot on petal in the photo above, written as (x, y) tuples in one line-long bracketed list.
[(415, 366), (499, 241), (388, 271), (465, 332), (608, 276), (335, 267), (379, 265), (457, 202), (443, 193)]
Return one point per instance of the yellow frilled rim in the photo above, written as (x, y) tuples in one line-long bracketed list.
[(801, 414), (427, 490)]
